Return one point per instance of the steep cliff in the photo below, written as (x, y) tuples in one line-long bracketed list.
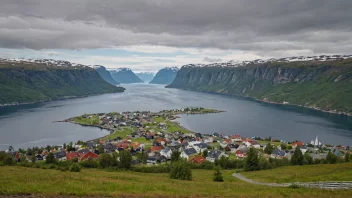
[(105, 74), (324, 85), (165, 76), (125, 75), (25, 82)]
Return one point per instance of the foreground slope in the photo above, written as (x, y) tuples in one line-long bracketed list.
[(95, 182), (165, 76), (125, 75), (25, 82), (325, 85), (105, 74)]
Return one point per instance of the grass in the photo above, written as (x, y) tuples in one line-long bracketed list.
[(88, 121), (95, 182), (125, 131), (312, 173)]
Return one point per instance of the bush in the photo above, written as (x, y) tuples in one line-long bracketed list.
[(218, 175), (52, 166), (106, 160), (75, 168), (125, 160), (8, 160), (50, 159), (180, 170), (89, 163)]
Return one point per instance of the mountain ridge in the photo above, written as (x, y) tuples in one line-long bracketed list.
[(165, 75), (124, 75)]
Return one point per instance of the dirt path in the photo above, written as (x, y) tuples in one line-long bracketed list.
[(323, 185)]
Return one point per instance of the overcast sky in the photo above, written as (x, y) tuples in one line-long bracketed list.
[(147, 35)]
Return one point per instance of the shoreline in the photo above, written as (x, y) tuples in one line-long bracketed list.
[(51, 100), (272, 102)]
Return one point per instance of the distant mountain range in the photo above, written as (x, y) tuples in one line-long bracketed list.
[(165, 76), (105, 74), (318, 82), (28, 81), (124, 75), (146, 76)]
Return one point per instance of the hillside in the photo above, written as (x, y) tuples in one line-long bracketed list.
[(125, 75), (165, 75), (146, 76), (105, 74), (28, 81), (33, 182), (323, 84)]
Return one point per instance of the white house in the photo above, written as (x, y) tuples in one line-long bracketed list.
[(166, 152), (214, 155), (200, 147), (188, 152)]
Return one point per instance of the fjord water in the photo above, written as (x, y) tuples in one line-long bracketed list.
[(33, 125)]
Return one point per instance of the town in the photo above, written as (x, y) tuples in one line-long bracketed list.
[(158, 135)]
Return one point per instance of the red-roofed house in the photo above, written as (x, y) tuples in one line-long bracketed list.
[(156, 148), (295, 144), (162, 141), (236, 138), (197, 159), (85, 156), (71, 155)]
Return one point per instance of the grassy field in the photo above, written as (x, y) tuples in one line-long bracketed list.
[(312, 173), (95, 182)]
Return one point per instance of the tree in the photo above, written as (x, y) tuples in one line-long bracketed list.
[(75, 168), (252, 161), (283, 146), (331, 158), (125, 159), (105, 160), (218, 175), (308, 158), (175, 156), (297, 157), (205, 154), (347, 156), (142, 157), (100, 149), (33, 158), (64, 146), (180, 170), (50, 159), (269, 149)]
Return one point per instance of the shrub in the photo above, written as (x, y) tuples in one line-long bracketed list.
[(75, 168), (180, 170), (8, 160), (89, 163), (106, 160), (152, 169), (125, 160), (50, 159), (52, 166), (218, 175)]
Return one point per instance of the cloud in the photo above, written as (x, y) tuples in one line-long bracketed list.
[(266, 27), (212, 60)]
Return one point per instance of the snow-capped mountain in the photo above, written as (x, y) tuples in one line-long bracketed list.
[(124, 75), (165, 75)]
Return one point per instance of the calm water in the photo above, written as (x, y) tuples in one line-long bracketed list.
[(32, 125)]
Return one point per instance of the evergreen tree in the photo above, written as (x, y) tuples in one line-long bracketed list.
[(347, 156), (50, 159), (331, 158), (175, 156), (297, 157), (269, 149), (218, 175), (125, 159), (252, 161), (205, 154)]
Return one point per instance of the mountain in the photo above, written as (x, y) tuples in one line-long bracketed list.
[(125, 75), (105, 74), (27, 81), (165, 75), (319, 82), (146, 76)]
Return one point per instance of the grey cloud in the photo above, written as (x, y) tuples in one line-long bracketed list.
[(261, 26), (212, 60)]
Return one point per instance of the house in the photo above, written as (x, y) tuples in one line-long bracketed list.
[(252, 143), (152, 160), (161, 159), (241, 152), (71, 155), (89, 154), (295, 144), (166, 152), (303, 149), (236, 138), (156, 148), (188, 152), (198, 159), (200, 147), (232, 147), (60, 155), (215, 155), (82, 151), (109, 148), (278, 154)]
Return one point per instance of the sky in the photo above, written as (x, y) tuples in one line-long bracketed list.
[(147, 35)]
